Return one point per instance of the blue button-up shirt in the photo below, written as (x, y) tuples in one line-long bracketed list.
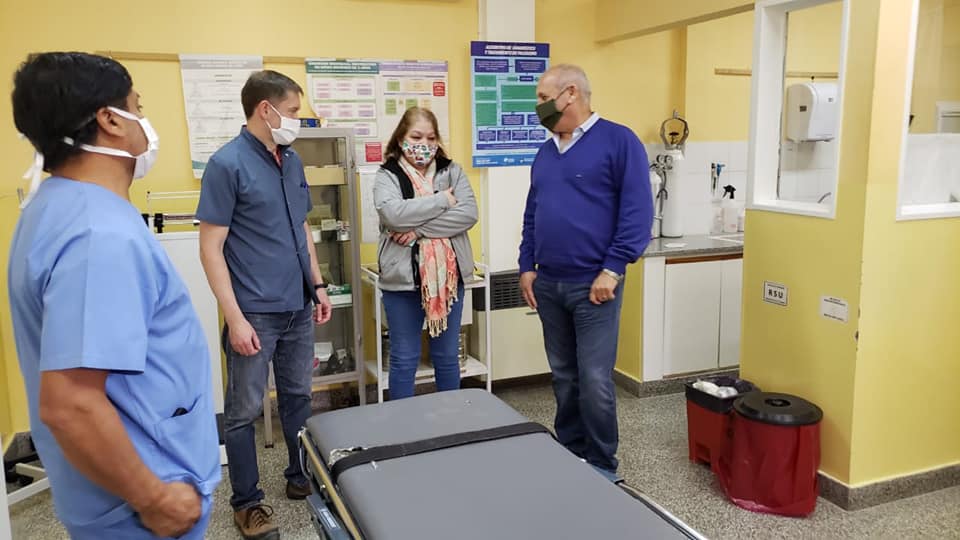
[(265, 205)]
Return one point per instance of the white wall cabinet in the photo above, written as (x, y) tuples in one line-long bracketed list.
[(691, 314), (731, 306), (701, 315), (517, 343)]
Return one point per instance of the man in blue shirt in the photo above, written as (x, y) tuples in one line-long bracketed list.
[(258, 253), (112, 353), (589, 213)]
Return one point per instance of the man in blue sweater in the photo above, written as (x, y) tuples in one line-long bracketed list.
[(589, 214)]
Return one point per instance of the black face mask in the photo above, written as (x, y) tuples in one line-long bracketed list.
[(548, 112)]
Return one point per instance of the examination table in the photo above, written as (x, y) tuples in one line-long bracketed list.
[(462, 465)]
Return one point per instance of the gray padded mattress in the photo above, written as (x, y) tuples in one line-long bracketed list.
[(526, 487)]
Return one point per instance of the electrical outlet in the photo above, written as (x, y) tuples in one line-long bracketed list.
[(774, 293)]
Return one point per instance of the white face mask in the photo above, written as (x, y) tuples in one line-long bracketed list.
[(145, 160), (288, 130)]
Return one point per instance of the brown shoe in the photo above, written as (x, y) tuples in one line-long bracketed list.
[(255, 523), (298, 493)]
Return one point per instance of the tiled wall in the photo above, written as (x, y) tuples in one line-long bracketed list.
[(807, 170), (808, 174), (692, 179), (932, 168)]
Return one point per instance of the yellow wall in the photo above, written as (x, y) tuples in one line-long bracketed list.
[(718, 106), (898, 278), (937, 68), (13, 404), (813, 38), (794, 349), (905, 414), (637, 82), (340, 28), (630, 339), (624, 19)]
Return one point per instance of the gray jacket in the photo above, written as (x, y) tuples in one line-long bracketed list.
[(431, 217)]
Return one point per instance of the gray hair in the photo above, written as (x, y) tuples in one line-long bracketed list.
[(569, 74)]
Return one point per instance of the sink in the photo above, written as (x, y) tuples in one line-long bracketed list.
[(735, 238)]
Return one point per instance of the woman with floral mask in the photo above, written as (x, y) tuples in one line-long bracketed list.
[(426, 207)]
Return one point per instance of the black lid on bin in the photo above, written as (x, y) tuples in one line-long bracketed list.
[(778, 409)]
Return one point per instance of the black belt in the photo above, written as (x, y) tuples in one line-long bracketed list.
[(393, 451)]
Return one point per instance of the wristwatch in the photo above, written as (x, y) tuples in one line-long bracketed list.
[(614, 275), (320, 286)]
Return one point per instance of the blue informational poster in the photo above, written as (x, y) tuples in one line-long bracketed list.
[(506, 130)]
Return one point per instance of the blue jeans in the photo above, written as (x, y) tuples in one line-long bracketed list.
[(287, 340), (405, 317), (581, 343)]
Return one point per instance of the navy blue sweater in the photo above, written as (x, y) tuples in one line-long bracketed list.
[(589, 208)]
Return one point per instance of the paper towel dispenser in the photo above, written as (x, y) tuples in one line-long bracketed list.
[(812, 111)]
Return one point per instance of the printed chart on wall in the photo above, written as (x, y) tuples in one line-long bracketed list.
[(211, 98), (506, 130), (370, 96), (343, 93)]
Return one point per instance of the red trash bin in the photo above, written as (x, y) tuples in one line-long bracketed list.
[(708, 419), (771, 463)]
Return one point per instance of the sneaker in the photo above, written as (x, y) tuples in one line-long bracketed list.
[(255, 523), (297, 492)]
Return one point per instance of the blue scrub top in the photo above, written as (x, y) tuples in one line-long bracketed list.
[(265, 205), (90, 287)]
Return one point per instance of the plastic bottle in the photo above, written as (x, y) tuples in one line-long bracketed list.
[(730, 210)]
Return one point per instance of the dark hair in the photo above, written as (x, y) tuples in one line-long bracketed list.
[(58, 94), (412, 115), (266, 85)]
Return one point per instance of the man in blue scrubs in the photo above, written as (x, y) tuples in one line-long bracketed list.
[(258, 254), (112, 353)]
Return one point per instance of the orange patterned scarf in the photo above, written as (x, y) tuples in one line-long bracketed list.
[(438, 261)]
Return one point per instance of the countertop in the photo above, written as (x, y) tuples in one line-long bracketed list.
[(699, 245)]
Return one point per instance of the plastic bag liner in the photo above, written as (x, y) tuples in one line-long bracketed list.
[(771, 462)]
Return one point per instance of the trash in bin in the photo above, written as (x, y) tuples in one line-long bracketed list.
[(771, 463), (719, 400)]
